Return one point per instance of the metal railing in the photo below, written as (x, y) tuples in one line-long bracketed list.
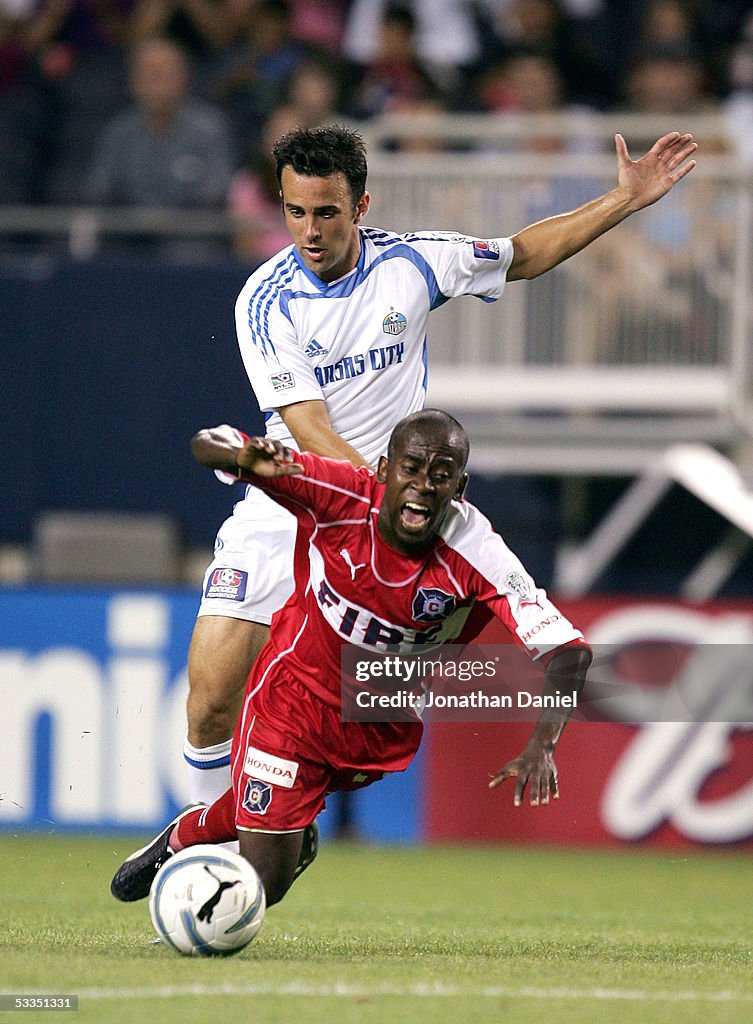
[(642, 340)]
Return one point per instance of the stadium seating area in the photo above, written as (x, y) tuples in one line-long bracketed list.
[(634, 346), (65, 66)]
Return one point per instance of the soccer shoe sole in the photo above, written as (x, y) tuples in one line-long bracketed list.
[(309, 848), (133, 879)]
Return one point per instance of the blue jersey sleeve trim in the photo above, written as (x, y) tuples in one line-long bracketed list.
[(392, 248), (262, 301)]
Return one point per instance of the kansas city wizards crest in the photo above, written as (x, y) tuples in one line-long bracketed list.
[(394, 323), (431, 605)]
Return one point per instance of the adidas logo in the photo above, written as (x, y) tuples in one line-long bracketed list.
[(314, 349)]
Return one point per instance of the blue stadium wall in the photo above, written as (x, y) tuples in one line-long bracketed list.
[(92, 692), (110, 366)]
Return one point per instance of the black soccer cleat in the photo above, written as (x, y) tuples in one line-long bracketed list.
[(309, 848), (133, 879)]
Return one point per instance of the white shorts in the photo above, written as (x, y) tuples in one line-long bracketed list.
[(251, 575)]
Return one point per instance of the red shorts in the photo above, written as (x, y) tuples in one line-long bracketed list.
[(290, 749)]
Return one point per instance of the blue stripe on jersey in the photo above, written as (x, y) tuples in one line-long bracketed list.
[(324, 286), (262, 299), (425, 361), (345, 288), (384, 238)]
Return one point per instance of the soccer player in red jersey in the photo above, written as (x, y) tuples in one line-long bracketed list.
[(389, 561)]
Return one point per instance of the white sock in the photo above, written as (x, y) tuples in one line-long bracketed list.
[(208, 771)]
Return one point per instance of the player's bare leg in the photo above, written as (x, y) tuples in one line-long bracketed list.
[(275, 858), (279, 858), (219, 660)]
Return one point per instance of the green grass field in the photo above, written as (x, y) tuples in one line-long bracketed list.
[(436, 934)]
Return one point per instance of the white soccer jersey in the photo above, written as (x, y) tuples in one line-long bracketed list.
[(358, 343)]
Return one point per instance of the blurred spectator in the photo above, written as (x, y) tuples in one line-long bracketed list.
[(319, 23), (395, 76), (424, 112), (13, 45), (738, 104), (540, 26), (80, 59), (446, 41), (254, 197), (169, 149), (669, 79), (22, 106), (531, 83), (721, 25), (315, 88), (70, 28), (667, 23), (202, 27), (525, 82), (312, 99), (249, 80)]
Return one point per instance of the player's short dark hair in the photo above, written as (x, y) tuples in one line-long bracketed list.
[(319, 152), (431, 417)]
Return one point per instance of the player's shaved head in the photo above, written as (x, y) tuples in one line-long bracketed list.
[(430, 421)]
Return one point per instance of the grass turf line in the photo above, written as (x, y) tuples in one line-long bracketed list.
[(420, 934)]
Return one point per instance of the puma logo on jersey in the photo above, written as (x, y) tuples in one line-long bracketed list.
[(353, 568)]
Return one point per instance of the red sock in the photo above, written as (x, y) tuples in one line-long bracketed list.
[(214, 824)]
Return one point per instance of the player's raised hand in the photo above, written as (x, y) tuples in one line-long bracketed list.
[(266, 457), (229, 450), (534, 768), (654, 174)]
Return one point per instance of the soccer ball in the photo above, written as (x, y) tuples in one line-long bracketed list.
[(207, 901)]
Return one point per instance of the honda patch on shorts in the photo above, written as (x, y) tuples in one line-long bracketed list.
[(227, 583), (276, 770)]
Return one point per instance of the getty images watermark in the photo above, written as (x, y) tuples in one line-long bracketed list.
[(639, 683)]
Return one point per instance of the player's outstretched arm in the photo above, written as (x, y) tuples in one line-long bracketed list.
[(640, 183), (230, 450), (308, 423), (535, 767)]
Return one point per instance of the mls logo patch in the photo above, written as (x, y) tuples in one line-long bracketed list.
[(227, 583), (485, 250), (283, 380), (431, 605), (394, 323), (258, 796)]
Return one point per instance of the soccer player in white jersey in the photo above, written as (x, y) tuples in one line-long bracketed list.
[(419, 560), (332, 332)]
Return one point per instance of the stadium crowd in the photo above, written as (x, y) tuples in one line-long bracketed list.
[(174, 102)]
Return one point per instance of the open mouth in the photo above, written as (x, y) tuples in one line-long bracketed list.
[(414, 517)]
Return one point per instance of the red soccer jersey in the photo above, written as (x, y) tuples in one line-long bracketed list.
[(352, 588)]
